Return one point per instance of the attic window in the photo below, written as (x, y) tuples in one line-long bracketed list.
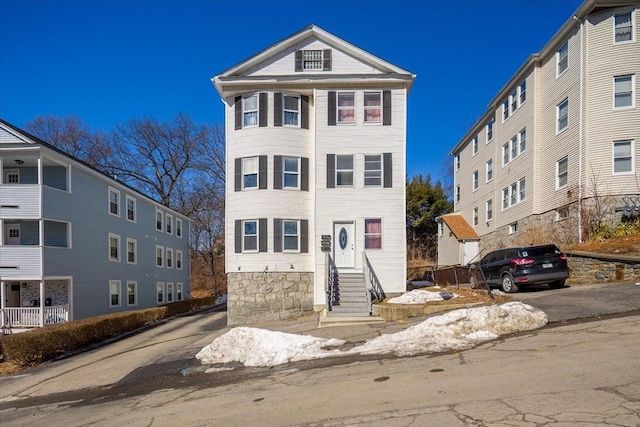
[(313, 60)]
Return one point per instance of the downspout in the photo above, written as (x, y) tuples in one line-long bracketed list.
[(580, 137)]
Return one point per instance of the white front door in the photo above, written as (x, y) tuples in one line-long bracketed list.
[(344, 248), (12, 234)]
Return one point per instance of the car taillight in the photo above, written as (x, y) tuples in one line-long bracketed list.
[(562, 256), (522, 261)]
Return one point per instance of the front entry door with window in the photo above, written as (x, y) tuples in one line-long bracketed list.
[(344, 251), (12, 234)]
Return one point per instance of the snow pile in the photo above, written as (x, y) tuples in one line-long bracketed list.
[(419, 296), (458, 330), (455, 330), (222, 299), (259, 347)]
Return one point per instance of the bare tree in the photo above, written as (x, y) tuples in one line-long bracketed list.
[(72, 136)]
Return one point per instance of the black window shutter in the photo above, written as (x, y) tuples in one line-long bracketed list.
[(262, 238), (386, 107), (238, 236), (277, 172), (304, 112), (326, 60), (298, 66), (262, 172), (331, 171), (331, 108), (304, 174), (277, 109), (304, 236), (238, 175), (388, 170), (277, 235), (238, 112), (263, 108)]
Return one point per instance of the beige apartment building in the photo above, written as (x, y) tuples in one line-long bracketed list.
[(558, 147)]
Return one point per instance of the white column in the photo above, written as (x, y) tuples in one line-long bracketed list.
[(41, 303), (3, 295)]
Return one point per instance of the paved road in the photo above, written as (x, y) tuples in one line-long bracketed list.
[(568, 374)]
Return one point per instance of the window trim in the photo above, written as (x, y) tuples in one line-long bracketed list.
[(489, 130), (560, 59), (117, 203), (475, 180), (179, 291), (160, 293), (558, 117), (457, 193), (380, 171), (244, 236), (256, 173), (613, 157), (285, 110), (169, 288), (488, 210), (633, 95), (565, 173), (476, 217), (513, 227), (179, 259), (457, 162), (346, 171), (118, 257), (373, 234), (135, 251), (488, 171), (633, 33), (343, 108), (161, 257), (159, 225), (179, 227), (296, 235), (118, 283), (365, 108), (246, 111), (474, 146), (168, 224), (168, 254), (297, 172), (135, 293), (128, 199)]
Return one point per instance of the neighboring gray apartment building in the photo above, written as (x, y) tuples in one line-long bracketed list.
[(75, 243), (562, 134)]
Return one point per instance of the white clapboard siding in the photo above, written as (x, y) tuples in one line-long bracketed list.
[(19, 201), (20, 262)]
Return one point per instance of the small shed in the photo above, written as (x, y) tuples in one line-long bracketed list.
[(458, 242)]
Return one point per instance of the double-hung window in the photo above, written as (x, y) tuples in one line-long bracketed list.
[(505, 109), (114, 293), (489, 209), (457, 193), (513, 102), (457, 161), (178, 227), (250, 110), (523, 141), (562, 57), (131, 251), (159, 220), (291, 235), (249, 172), (178, 259), (475, 180), (373, 233), (169, 292), (291, 172), (562, 114), (622, 157), (159, 256), (521, 190), (475, 145), (505, 198), (131, 209), (523, 92), (160, 292), (291, 110), (169, 224), (169, 262), (623, 96), (562, 168), (114, 247), (114, 202), (132, 293), (475, 216), (344, 170), (372, 170), (489, 170), (623, 27), (373, 107), (250, 236), (505, 154), (514, 147), (490, 130), (514, 194), (179, 291), (346, 107)]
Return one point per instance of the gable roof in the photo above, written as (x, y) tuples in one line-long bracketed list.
[(460, 227), (312, 31)]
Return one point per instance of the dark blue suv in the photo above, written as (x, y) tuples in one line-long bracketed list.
[(511, 268)]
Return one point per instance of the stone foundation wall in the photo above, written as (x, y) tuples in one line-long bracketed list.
[(255, 297), (602, 268)]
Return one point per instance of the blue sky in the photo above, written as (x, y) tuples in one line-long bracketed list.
[(110, 61)]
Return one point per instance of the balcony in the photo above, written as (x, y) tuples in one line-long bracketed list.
[(23, 201), (20, 262)]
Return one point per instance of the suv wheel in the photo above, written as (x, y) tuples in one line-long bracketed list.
[(508, 285), (557, 284), (474, 283)]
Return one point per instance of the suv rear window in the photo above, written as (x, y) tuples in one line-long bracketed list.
[(540, 251)]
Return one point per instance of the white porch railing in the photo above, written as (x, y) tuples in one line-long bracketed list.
[(29, 317)]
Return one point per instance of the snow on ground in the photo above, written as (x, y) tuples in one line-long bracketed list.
[(456, 330), (420, 296), (221, 299)]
